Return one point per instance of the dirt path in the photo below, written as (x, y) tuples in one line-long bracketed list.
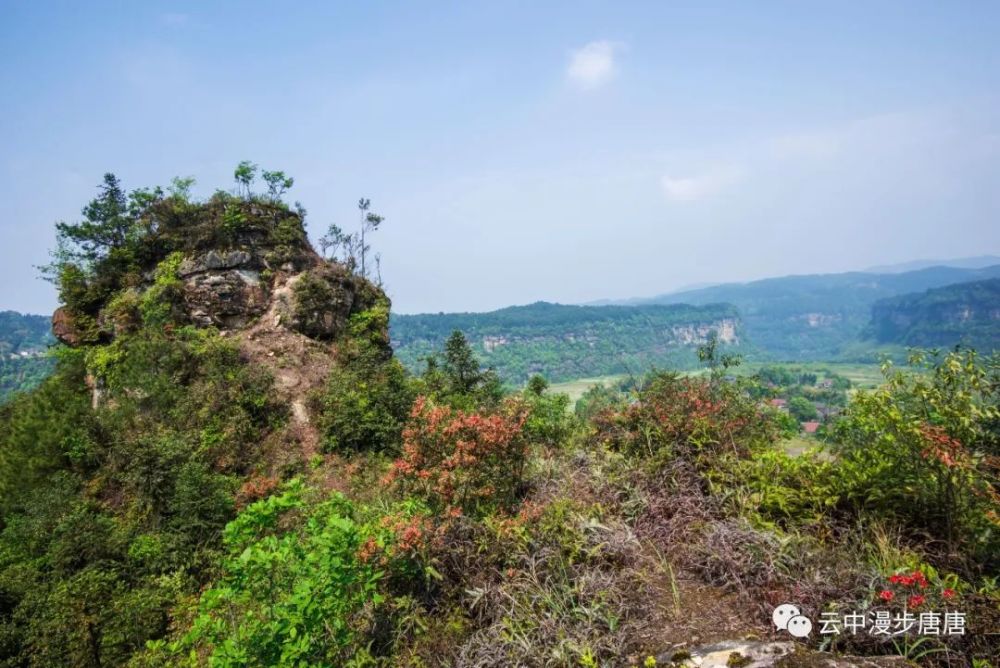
[(690, 612), (300, 366)]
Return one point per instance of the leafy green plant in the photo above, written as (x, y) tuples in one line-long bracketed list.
[(919, 447), (291, 594)]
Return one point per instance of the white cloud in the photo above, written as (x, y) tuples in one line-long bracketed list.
[(592, 65), (691, 188)]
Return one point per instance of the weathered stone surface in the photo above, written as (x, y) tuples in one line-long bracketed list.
[(228, 298), (64, 328), (215, 260), (754, 654), (231, 280)]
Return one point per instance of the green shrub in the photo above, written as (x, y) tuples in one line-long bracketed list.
[(296, 590), (920, 447), (368, 395), (549, 421)]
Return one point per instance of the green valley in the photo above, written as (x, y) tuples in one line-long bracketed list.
[(568, 342)]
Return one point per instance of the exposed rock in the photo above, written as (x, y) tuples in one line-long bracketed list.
[(228, 298), (321, 301), (64, 327), (229, 277), (724, 329), (213, 260), (754, 654)]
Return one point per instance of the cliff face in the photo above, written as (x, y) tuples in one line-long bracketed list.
[(965, 313)]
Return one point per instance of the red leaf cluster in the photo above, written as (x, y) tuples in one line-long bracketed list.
[(461, 461)]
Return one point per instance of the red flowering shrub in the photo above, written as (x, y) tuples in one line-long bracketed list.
[(462, 462), (687, 417), (918, 590)]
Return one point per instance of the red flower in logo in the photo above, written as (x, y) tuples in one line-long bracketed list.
[(886, 595), (948, 593), (915, 601)]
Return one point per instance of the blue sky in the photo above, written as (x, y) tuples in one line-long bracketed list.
[(522, 151)]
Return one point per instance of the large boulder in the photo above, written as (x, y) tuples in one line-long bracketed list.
[(64, 327)]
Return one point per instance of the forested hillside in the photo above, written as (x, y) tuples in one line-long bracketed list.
[(966, 313), (566, 342), (24, 340), (818, 317), (24, 333)]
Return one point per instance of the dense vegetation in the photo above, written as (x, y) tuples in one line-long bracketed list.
[(158, 505), (20, 374), (23, 333), (966, 313), (821, 317), (567, 342), (23, 342)]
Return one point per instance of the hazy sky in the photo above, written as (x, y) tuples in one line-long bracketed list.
[(524, 151)]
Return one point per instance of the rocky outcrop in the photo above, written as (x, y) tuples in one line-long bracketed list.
[(753, 654), (230, 279), (688, 335), (322, 299), (228, 297), (64, 327)]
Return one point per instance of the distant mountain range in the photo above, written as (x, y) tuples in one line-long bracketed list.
[(21, 333), (819, 317), (978, 262), (568, 342), (825, 317)]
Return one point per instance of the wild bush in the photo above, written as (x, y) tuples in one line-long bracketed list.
[(456, 378), (548, 422), (462, 462), (368, 395), (691, 418), (923, 449), (294, 591)]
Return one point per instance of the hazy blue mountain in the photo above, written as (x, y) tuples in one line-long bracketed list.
[(977, 262), (819, 316), (24, 333), (964, 313)]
